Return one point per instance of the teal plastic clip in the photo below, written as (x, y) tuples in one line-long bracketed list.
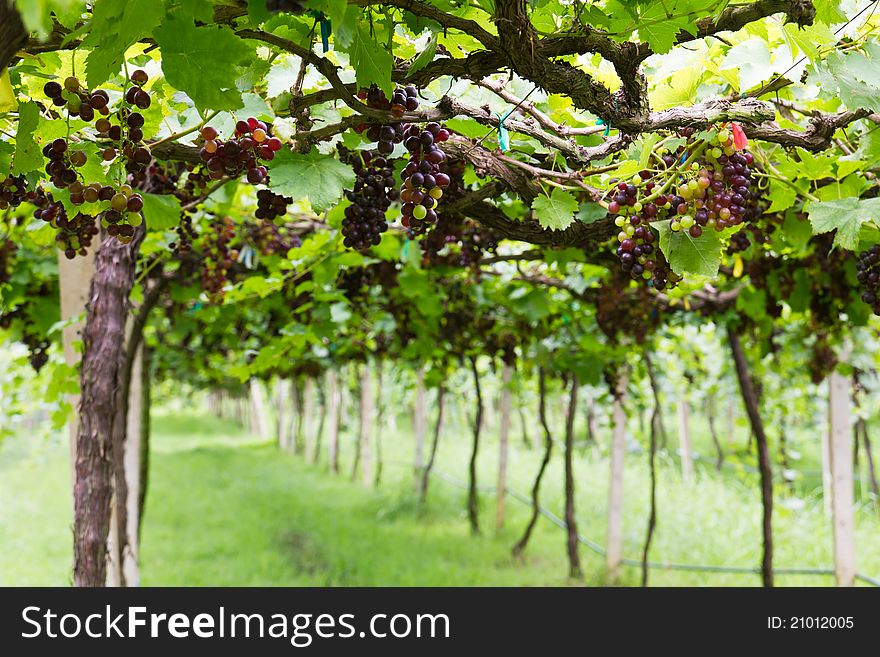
[(326, 29), (607, 127), (503, 134)]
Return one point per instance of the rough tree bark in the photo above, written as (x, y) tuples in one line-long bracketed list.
[(438, 425), (747, 388), (710, 414), (104, 340), (526, 440), (503, 444), (473, 504), (869, 462), (520, 546), (420, 425), (656, 421), (574, 561), (614, 547), (13, 34), (592, 429)]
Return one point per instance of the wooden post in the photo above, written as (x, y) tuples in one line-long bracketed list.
[(366, 462), (840, 460), (614, 548), (503, 438), (684, 439), (74, 277), (420, 426), (281, 397), (259, 422)]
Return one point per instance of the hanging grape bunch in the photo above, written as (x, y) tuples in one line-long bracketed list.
[(270, 239), (457, 242), (271, 205), (423, 181), (241, 154), (868, 267), (385, 135), (8, 249), (74, 234), (63, 163), (364, 220), (704, 184), (13, 192), (218, 257), (78, 100), (118, 208)]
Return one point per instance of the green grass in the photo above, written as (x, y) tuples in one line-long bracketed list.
[(226, 510)]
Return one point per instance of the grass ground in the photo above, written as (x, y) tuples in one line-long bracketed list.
[(225, 509)]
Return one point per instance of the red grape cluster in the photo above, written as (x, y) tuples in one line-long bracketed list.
[(8, 248), (127, 132), (269, 239), (385, 135), (78, 100), (868, 268), (63, 162), (158, 178), (219, 258), (241, 154), (271, 205), (457, 242), (373, 192), (186, 234), (700, 185), (74, 234), (423, 180), (13, 192)]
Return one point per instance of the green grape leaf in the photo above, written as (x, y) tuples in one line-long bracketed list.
[(317, 177), (28, 156), (659, 30), (590, 212), (855, 75), (371, 62), (161, 211), (752, 59), (533, 305), (7, 150), (424, 58), (752, 303), (201, 61), (686, 254), (116, 25), (556, 211), (846, 215)]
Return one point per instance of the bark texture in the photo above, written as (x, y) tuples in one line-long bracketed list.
[(520, 546), (104, 340), (750, 399)]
